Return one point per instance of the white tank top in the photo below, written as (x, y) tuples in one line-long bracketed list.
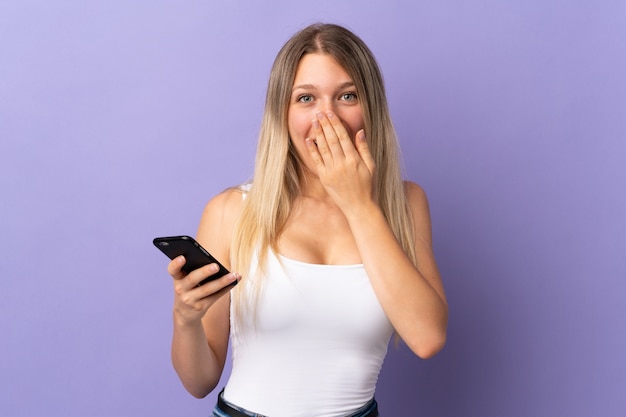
[(318, 344)]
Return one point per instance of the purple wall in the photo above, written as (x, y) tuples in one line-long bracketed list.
[(118, 120)]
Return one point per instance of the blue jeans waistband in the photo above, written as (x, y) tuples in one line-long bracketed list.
[(227, 409)]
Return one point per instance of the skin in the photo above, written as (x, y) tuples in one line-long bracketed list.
[(326, 128)]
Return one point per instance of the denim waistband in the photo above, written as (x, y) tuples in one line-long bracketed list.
[(227, 409)]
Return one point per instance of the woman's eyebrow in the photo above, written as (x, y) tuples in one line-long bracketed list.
[(304, 87), (346, 85), (313, 87)]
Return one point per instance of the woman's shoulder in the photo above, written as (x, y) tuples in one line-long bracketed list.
[(218, 221), (414, 192), (224, 208), (420, 209), (226, 202)]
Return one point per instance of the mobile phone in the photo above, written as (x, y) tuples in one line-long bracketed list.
[(195, 255)]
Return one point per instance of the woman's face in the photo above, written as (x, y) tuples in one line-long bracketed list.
[(321, 85)]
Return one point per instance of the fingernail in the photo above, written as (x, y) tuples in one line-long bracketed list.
[(319, 115), (214, 268), (330, 115), (316, 124)]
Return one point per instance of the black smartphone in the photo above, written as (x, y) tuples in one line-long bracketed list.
[(195, 255)]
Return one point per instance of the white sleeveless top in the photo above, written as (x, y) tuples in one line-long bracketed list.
[(318, 344)]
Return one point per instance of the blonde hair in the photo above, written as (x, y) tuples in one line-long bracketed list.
[(278, 174)]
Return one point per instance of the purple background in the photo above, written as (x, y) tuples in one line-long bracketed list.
[(119, 120)]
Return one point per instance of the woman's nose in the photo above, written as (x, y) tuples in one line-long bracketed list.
[(324, 106)]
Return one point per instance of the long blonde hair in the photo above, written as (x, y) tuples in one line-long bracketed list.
[(278, 172)]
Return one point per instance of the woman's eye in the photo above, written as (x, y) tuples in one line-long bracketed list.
[(305, 99), (348, 96)]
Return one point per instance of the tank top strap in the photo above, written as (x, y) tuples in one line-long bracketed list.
[(245, 189)]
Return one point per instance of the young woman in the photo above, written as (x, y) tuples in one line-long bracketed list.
[(334, 249)]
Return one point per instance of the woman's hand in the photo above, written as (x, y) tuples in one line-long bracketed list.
[(190, 300), (346, 169)]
